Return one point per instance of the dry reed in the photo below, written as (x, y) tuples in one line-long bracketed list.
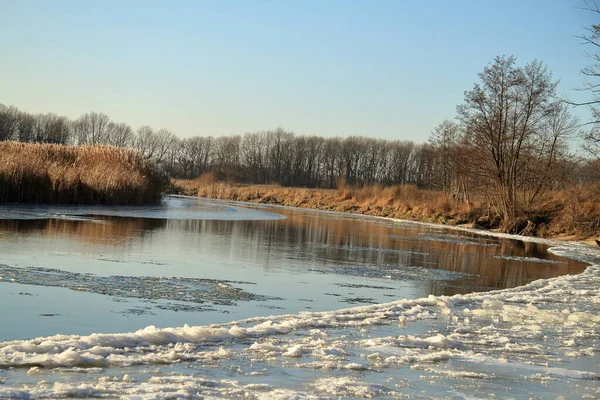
[(573, 213), (57, 174), (400, 201)]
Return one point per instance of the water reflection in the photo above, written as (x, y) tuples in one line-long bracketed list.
[(306, 241), (488, 263), (110, 230)]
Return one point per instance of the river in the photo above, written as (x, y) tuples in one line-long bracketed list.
[(200, 298)]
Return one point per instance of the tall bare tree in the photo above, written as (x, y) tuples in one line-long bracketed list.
[(444, 140), (146, 141), (92, 128), (121, 135), (26, 127), (185, 160), (200, 149), (164, 139), (253, 157), (9, 117), (506, 118), (226, 156)]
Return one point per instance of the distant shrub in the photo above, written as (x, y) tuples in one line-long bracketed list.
[(58, 174)]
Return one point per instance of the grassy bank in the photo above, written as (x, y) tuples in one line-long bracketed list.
[(57, 174), (574, 213), (404, 201)]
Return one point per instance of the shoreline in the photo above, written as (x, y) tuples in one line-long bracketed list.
[(427, 211), (539, 337), (550, 241), (456, 325)]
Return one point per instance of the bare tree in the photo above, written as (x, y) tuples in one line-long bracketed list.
[(505, 118), (444, 140), (200, 150), (26, 127), (8, 122), (277, 153), (164, 139), (591, 39), (543, 167), (399, 163), (331, 162), (92, 128), (121, 135), (253, 157), (186, 155), (227, 156), (171, 156), (51, 128), (350, 154), (146, 141), (314, 148)]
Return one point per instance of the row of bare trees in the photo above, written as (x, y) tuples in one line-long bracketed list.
[(274, 156), (282, 157), (509, 142), (25, 127), (90, 129)]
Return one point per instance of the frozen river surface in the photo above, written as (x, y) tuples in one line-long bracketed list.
[(207, 299)]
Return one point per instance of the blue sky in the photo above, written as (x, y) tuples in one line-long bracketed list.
[(388, 69)]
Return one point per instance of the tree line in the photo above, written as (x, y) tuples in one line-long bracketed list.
[(509, 142), (274, 156)]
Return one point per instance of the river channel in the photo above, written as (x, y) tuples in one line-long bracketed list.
[(203, 298)]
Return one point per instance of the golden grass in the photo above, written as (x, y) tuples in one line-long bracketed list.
[(57, 174), (574, 212), (401, 201)]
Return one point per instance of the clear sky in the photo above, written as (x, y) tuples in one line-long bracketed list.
[(388, 69)]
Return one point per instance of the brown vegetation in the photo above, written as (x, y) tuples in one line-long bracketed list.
[(399, 201), (573, 212), (58, 174)]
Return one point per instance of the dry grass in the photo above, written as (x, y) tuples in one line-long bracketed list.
[(402, 201), (574, 213), (56, 174)]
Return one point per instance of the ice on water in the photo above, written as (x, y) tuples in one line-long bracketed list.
[(538, 340), (174, 293), (172, 207)]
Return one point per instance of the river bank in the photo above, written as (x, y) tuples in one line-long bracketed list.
[(565, 216)]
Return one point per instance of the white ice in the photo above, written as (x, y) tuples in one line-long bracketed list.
[(539, 337)]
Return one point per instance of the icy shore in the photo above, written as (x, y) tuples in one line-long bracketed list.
[(530, 341)]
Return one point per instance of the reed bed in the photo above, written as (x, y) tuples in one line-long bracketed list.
[(400, 201), (575, 211), (572, 213), (58, 174)]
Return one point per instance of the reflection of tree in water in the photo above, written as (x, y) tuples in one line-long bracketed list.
[(329, 243), (485, 262)]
